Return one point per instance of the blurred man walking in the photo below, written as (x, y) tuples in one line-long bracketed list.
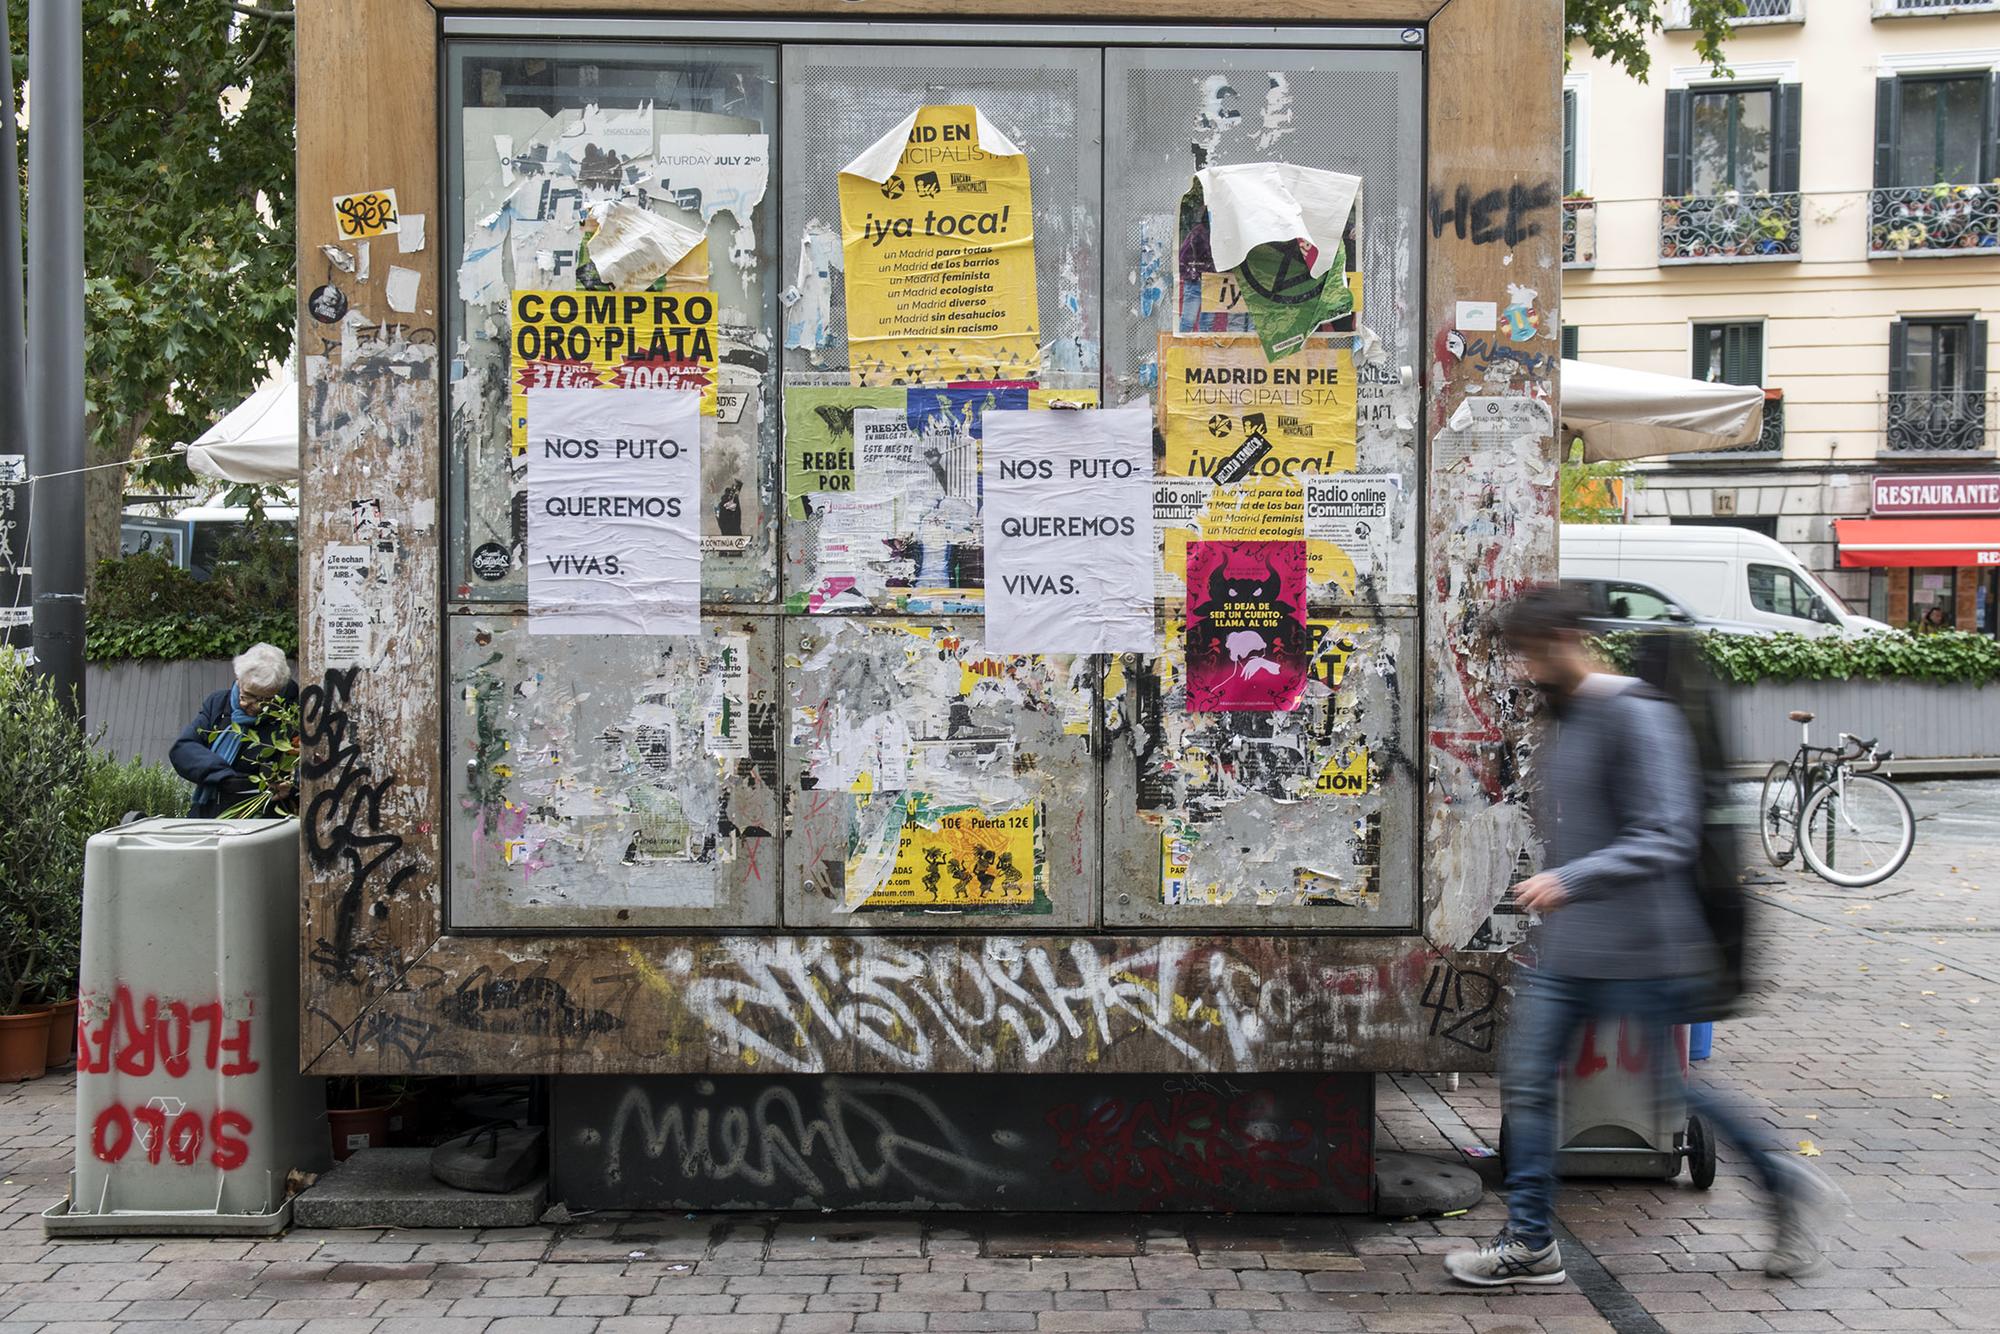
[(1619, 808)]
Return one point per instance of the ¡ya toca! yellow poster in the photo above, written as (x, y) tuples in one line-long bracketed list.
[(937, 231)]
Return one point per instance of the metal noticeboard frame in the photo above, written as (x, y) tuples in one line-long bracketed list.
[(391, 982)]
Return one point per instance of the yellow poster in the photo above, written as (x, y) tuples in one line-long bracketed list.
[(1254, 428), (611, 340), (955, 857), (937, 232)]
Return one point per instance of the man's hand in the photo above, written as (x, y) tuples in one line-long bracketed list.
[(1541, 892)]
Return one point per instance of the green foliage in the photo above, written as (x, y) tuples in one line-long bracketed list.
[(274, 782), (188, 228), (119, 788), (45, 809), (144, 606), (1617, 29), (1945, 658)]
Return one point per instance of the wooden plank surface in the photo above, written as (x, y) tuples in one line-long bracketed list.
[(369, 393), (952, 1004), (1493, 225)]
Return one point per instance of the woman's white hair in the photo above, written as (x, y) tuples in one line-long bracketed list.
[(263, 668)]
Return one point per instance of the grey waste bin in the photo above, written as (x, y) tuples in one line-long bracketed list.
[(1612, 1120), (190, 1111)]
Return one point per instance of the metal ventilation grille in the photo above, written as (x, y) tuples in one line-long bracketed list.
[(1358, 112), (838, 101)]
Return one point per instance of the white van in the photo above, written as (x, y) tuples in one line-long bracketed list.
[(1716, 574)]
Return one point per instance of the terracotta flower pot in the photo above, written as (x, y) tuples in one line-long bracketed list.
[(62, 1034), (24, 1046), (357, 1128)]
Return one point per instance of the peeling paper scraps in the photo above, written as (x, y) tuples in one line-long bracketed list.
[(1502, 414), (410, 239), (634, 246), (402, 289), (599, 148), (1277, 113), (808, 301), (482, 277), (340, 259), (1265, 203), (878, 161)]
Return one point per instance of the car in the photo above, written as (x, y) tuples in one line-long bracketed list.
[(1627, 604)]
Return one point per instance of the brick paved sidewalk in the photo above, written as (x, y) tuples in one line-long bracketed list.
[(1881, 1050)]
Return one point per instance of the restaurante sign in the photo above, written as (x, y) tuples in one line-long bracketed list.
[(1938, 493)]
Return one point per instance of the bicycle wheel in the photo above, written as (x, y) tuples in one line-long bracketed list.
[(1777, 814), (1857, 833)]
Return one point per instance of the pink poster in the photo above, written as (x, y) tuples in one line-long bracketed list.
[(1247, 640)]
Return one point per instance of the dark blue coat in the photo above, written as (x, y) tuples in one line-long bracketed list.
[(195, 761)]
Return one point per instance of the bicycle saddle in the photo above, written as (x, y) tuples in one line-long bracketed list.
[(1799, 716)]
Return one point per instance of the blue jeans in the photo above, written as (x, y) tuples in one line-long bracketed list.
[(1548, 1012)]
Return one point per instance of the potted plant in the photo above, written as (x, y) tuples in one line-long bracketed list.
[(45, 761), (274, 777)]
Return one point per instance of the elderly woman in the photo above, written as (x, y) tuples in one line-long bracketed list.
[(223, 751)]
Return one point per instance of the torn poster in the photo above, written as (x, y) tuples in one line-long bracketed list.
[(614, 494), (1068, 506), (1247, 636), (611, 340), (727, 724), (1353, 511), (937, 231), (357, 217), (1258, 203), (410, 237), (633, 247), (600, 147), (712, 173), (808, 302), (345, 640)]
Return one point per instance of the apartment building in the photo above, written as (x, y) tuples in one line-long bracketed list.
[(1823, 221)]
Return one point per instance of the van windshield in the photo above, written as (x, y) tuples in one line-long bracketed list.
[(1780, 592)]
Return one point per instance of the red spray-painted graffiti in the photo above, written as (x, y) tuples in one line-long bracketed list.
[(150, 1036), (1197, 1141), (1633, 1055)]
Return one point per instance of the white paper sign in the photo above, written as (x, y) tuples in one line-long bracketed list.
[(1478, 316), (728, 722), (1069, 531), (614, 490), (1354, 512)]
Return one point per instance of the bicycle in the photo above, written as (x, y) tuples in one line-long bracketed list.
[(1852, 827)]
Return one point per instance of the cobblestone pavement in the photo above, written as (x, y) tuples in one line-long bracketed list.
[(1879, 1050)]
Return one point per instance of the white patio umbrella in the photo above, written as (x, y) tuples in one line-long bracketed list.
[(258, 441), (1625, 414)]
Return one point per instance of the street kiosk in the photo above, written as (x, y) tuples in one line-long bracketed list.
[(899, 595)]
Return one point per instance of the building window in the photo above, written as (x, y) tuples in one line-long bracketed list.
[(1937, 385), (1729, 353), (1935, 159), (1570, 128), (1731, 177), (1570, 334), (1934, 591)]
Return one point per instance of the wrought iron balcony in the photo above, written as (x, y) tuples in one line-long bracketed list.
[(1935, 421), (1732, 228), (1579, 233), (1933, 219)]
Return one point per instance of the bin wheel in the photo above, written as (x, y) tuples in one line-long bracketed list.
[(1700, 1154)]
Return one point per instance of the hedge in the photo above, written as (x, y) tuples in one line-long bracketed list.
[(1947, 657), (181, 638)]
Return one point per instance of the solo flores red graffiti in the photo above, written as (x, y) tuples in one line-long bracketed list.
[(140, 1037)]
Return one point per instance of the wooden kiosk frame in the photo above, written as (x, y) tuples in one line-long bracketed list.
[(388, 989)]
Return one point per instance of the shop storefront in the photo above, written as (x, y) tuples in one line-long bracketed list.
[(1932, 549), (725, 649)]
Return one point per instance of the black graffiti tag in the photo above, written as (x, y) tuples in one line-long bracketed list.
[(1467, 998), (1498, 215), (342, 824)]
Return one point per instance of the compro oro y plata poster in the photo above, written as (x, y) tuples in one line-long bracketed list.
[(937, 232), (1255, 429), (611, 340)]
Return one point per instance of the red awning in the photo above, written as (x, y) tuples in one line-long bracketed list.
[(1918, 541)]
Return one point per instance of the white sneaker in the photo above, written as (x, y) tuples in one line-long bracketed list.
[(1806, 1201), (1504, 1260)]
